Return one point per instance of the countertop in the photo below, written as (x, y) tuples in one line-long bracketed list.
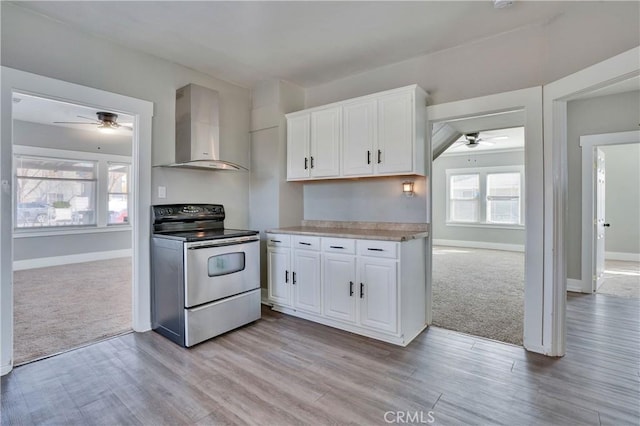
[(385, 231)]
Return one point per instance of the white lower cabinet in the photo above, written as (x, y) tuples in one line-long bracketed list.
[(294, 272), (374, 288), (378, 292), (305, 280), (279, 267), (339, 286)]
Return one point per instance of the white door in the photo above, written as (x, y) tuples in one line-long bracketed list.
[(359, 126), (377, 292), (324, 160), (305, 280), (600, 218), (279, 275), (298, 133), (339, 285), (395, 134)]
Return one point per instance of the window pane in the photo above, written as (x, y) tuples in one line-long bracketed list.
[(503, 184), (503, 198), (464, 198), (118, 190), (54, 192), (465, 187), (463, 211)]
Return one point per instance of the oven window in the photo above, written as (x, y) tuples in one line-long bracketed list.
[(224, 264)]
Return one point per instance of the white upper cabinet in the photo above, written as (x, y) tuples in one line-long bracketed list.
[(313, 144), (359, 137), (324, 161), (298, 136), (379, 134), (395, 150)]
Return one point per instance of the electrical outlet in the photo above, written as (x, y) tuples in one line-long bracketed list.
[(162, 192)]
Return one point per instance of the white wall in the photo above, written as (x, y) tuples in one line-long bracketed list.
[(532, 56), (606, 114), (622, 202), (442, 231), (55, 50), (274, 201), (57, 137), (369, 200)]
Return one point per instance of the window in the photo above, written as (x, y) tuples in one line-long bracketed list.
[(118, 193), (485, 196), (503, 198), (55, 192), (464, 198), (56, 189)]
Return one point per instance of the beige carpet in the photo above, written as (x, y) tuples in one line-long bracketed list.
[(621, 279), (479, 292), (62, 307)]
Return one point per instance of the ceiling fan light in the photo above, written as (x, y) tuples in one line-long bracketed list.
[(106, 128)]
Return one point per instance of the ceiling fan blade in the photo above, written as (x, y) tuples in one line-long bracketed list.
[(87, 118), (74, 122)]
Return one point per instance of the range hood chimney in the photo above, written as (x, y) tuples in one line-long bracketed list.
[(198, 130)]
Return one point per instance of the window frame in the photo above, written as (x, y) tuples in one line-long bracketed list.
[(482, 173), (102, 173)]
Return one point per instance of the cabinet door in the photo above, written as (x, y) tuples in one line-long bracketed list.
[(279, 275), (395, 134), (359, 127), (325, 143), (298, 134), (306, 280), (377, 292), (339, 286)]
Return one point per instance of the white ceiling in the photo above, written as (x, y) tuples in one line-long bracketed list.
[(307, 43), (47, 111)]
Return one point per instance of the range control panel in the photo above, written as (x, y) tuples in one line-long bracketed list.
[(186, 212)]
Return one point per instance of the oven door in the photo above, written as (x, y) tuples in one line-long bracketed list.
[(221, 268)]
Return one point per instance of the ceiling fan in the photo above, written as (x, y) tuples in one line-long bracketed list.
[(105, 121), (472, 140)]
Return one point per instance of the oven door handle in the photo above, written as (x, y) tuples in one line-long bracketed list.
[(235, 243)]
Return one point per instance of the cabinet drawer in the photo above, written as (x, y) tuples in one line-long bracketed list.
[(278, 240), (388, 249), (338, 245), (307, 243)]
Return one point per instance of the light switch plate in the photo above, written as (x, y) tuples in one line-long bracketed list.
[(162, 192)]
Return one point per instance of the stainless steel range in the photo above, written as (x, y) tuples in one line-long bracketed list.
[(205, 278)]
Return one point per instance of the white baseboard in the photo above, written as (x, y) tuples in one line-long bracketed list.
[(43, 262), (576, 285), (6, 369), (629, 257), (479, 244)]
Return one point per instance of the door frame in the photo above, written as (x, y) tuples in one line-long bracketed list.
[(556, 96), (142, 111), (529, 100), (589, 143)]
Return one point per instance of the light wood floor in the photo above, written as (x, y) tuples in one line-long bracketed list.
[(283, 370)]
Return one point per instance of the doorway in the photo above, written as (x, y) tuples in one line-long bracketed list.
[(72, 237), (527, 103), (611, 208), (478, 231), (142, 111)]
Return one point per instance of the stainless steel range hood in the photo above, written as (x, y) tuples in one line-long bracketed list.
[(198, 130)]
